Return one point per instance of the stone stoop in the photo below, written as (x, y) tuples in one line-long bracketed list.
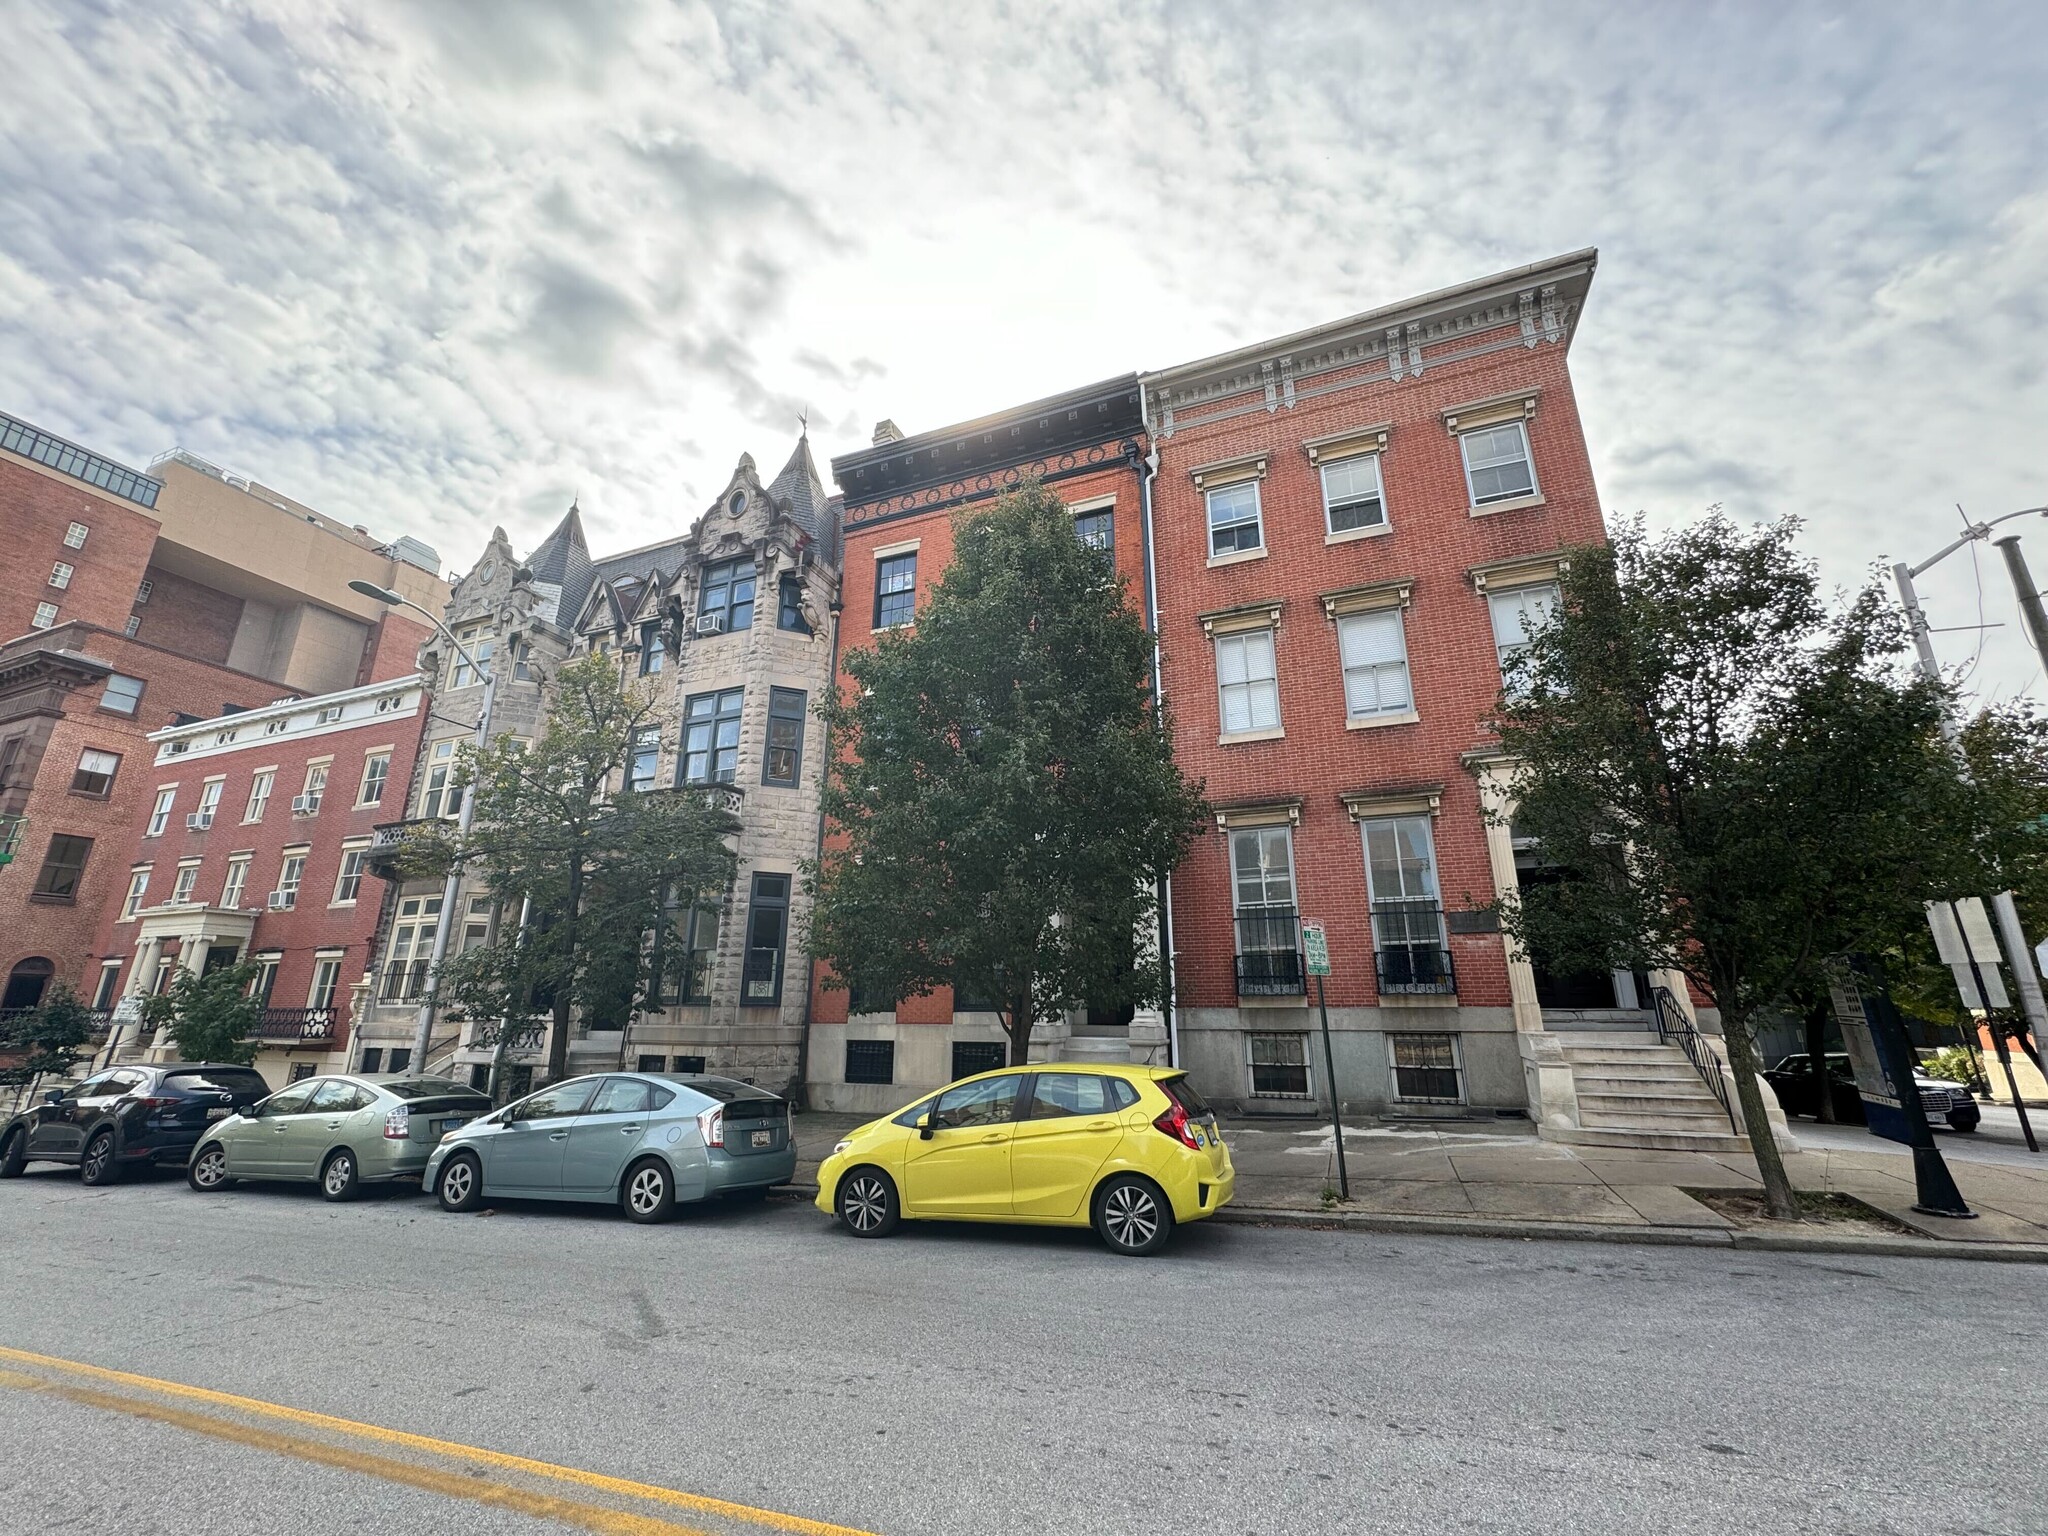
[(1100, 1049), (1636, 1091)]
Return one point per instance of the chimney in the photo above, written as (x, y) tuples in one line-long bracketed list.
[(886, 431)]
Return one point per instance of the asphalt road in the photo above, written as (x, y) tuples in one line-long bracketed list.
[(960, 1379)]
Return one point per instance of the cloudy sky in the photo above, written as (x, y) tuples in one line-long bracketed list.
[(437, 266)]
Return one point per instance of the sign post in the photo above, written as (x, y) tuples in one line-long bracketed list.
[(1316, 949), (1963, 938)]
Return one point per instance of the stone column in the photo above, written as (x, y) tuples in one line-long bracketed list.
[(1148, 1024)]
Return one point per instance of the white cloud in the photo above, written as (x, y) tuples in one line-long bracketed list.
[(438, 267)]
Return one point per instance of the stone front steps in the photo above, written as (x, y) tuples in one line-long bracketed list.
[(1636, 1091)]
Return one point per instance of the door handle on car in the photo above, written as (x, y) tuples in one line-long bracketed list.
[(995, 1136), (558, 1135), (334, 1125), (1101, 1125), (629, 1130)]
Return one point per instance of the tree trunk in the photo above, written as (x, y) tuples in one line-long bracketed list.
[(1779, 1200), (1017, 1024), (1816, 1055)]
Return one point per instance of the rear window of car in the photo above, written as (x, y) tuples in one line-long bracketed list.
[(216, 1080), (725, 1089), (464, 1103), (1182, 1092), (424, 1088)]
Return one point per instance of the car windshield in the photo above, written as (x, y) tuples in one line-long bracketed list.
[(424, 1088), (217, 1080)]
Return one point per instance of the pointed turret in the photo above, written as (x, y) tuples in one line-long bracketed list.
[(562, 563), (797, 487)]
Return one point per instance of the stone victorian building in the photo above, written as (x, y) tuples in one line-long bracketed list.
[(731, 628)]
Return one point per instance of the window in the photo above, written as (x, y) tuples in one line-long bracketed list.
[(646, 758), (474, 643), (1351, 494), (441, 795), (711, 737), (326, 980), (975, 1056), (652, 1064), (1517, 614), (1407, 921), (238, 876), (95, 773), (108, 991), (60, 575), (1268, 926), (895, 590), (160, 817), (316, 788), (1279, 1066), (1063, 1095), (1497, 464), (554, 1102), (728, 592), (871, 1061), (123, 695), (1234, 524), (134, 622), (373, 1058), (689, 1066), (1374, 648), (992, 1101), (785, 757), (138, 886), (789, 606), (75, 536), (259, 796), (209, 800), (653, 649), (289, 874), (686, 963), (1247, 684), (623, 1096), (411, 949), (476, 927), (522, 660), (299, 1071), (142, 592), (63, 866), (376, 773), (349, 883), (767, 931), (1426, 1069), (400, 1058), (46, 615), (1096, 529), (181, 889)]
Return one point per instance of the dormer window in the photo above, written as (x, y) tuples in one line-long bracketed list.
[(725, 600)]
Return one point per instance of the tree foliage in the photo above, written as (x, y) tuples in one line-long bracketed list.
[(603, 870), (45, 1039), (1005, 792), (1739, 777), (212, 1017)]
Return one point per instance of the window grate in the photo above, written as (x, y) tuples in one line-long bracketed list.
[(972, 1056), (871, 1061)]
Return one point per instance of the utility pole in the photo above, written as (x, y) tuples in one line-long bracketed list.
[(2023, 587)]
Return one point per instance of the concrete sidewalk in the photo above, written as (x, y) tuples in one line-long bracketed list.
[(1498, 1175)]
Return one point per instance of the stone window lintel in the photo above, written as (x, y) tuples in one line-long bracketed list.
[(1517, 405)]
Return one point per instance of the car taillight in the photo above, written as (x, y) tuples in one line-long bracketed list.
[(712, 1123), (398, 1124), (1176, 1124), (151, 1106)]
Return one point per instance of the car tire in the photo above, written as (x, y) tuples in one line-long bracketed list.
[(14, 1155), (461, 1185), (340, 1179), (1133, 1216), (208, 1170), (1955, 1123), (647, 1194), (867, 1204), (99, 1166)]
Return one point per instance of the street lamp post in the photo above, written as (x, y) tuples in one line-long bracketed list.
[(422, 1034)]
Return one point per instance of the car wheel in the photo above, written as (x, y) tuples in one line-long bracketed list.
[(462, 1184), (1955, 1123), (867, 1203), (209, 1170), (338, 1180), (14, 1155), (98, 1165), (649, 1192), (1132, 1216)]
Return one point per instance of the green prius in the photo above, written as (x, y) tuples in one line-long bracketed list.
[(338, 1132)]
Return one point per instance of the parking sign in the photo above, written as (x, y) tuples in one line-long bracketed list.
[(1315, 949)]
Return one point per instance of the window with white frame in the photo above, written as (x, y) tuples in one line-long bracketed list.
[(122, 695), (266, 977), (440, 795), (349, 883), (75, 536), (108, 992), (474, 643), (60, 575), (160, 814), (290, 874), (1517, 614), (209, 800), (1497, 464), (1234, 522), (1279, 1066), (132, 624), (476, 924), (1374, 647), (644, 762), (138, 887), (259, 796), (46, 615), (142, 591), (1426, 1068), (1268, 925), (376, 772), (1407, 915), (1352, 498), (238, 877), (326, 981), (411, 949), (95, 773), (1247, 683), (316, 787), (181, 889)]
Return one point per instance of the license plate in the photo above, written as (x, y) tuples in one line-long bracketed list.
[(219, 1114), (451, 1125), (764, 1138)]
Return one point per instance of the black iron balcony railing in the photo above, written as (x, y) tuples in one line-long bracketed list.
[(520, 1036), (1269, 952), (404, 982), (290, 1026), (1409, 954), (97, 1022)]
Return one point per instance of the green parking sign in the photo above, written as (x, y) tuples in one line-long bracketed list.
[(1315, 949)]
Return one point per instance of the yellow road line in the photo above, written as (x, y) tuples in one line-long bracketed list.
[(570, 1511)]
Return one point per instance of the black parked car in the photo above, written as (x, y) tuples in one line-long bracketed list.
[(127, 1116), (1791, 1079)]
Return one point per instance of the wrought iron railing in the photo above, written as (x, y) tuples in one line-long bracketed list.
[(760, 975), (404, 982), (290, 1026), (521, 1036), (1269, 952), (97, 1022), (1411, 969), (1675, 1027)]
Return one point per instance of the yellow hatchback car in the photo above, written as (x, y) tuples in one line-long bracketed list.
[(1130, 1151)]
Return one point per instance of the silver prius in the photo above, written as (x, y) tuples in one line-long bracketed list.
[(338, 1132), (644, 1139)]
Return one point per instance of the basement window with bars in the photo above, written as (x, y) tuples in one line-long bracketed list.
[(1279, 1066), (871, 1061), (972, 1056), (1426, 1069)]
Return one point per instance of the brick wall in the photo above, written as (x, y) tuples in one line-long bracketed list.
[(37, 506), (187, 617)]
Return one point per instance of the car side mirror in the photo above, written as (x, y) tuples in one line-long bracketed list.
[(924, 1127), (53, 1095)]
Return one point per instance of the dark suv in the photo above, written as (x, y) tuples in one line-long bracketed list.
[(125, 1116)]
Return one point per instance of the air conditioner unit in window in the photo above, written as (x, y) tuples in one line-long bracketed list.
[(328, 715), (305, 805), (198, 821), (710, 623), (283, 901)]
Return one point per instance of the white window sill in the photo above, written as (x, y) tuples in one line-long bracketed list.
[(890, 629), (336, 905), (1271, 733), (1374, 722), (1352, 535), (1418, 1000), (1514, 504), (1237, 557), (1292, 1000)]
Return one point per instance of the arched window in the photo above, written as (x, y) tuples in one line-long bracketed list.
[(25, 983)]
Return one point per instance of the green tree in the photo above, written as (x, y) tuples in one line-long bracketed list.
[(45, 1040), (1740, 778), (1005, 795), (604, 869), (211, 1017)]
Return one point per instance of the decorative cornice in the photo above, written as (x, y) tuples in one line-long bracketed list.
[(1412, 800), (981, 487), (1348, 444), (1259, 813), (1520, 570), (1373, 598), (1245, 466), (1515, 405), (1225, 621)]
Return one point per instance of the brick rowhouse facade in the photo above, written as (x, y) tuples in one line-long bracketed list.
[(250, 840)]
